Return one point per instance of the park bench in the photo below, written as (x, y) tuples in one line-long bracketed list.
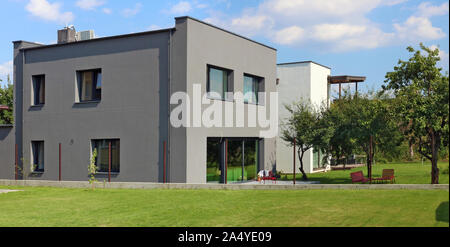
[(358, 177)]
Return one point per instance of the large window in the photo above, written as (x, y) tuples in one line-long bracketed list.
[(38, 89), (220, 81), (37, 150), (232, 159), (103, 154), (89, 85), (252, 86)]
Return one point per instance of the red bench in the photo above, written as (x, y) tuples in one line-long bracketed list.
[(358, 177), (387, 175)]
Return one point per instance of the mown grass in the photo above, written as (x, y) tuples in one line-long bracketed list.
[(62, 207), (405, 173)]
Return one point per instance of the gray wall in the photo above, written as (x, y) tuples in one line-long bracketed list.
[(7, 159), (209, 45), (134, 71)]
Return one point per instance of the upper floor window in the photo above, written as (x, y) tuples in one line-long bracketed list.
[(104, 154), (38, 89), (37, 149), (252, 86), (220, 81), (89, 85)]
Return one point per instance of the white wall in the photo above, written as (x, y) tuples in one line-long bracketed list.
[(305, 80)]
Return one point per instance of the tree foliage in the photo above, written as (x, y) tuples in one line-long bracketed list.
[(306, 127), (7, 99), (422, 102)]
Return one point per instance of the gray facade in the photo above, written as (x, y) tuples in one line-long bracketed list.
[(139, 74)]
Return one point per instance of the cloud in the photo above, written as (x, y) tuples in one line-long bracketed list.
[(128, 12), (443, 55), (289, 35), (418, 29), (6, 69), (181, 8), (153, 27), (49, 11), (89, 4), (338, 25), (426, 9)]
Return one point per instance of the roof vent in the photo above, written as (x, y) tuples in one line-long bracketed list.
[(85, 35), (67, 35)]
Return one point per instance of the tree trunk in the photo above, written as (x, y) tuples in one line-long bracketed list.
[(300, 157), (411, 149), (435, 142), (370, 158)]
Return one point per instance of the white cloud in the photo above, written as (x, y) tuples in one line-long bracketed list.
[(426, 9), (153, 27), (289, 35), (181, 8), (443, 55), (49, 11), (90, 4), (418, 29), (132, 11), (338, 25), (107, 11), (6, 69)]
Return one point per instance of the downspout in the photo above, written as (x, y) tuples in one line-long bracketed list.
[(169, 75)]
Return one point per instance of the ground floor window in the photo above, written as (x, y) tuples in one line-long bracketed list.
[(103, 154), (232, 159), (37, 149)]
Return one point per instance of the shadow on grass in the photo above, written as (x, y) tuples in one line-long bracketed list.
[(442, 212)]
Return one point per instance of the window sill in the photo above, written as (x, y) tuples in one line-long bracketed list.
[(88, 102), (37, 106), (37, 172), (106, 173)]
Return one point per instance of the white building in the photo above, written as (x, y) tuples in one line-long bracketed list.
[(299, 80), (305, 80)]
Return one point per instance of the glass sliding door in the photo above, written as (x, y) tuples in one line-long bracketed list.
[(234, 161), (213, 160), (231, 160), (250, 159)]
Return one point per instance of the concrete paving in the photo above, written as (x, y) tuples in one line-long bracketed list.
[(237, 186)]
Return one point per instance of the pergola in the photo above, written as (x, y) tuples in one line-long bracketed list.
[(340, 79)]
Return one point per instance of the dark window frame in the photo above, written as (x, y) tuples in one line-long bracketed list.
[(35, 148), (260, 88), (38, 84), (107, 140), (230, 83), (96, 93)]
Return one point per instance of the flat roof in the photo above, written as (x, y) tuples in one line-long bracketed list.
[(95, 39), (304, 62), (4, 107), (137, 34), (235, 34), (345, 79)]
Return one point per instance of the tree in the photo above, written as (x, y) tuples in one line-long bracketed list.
[(7, 99), (305, 126), (363, 122), (422, 94)]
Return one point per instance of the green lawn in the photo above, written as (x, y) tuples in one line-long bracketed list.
[(41, 206), (405, 173)]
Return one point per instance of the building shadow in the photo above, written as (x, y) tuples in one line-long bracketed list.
[(442, 212)]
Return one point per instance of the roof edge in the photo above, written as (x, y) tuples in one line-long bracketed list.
[(97, 39), (309, 61), (235, 34)]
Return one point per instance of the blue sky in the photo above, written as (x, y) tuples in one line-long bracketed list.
[(357, 37)]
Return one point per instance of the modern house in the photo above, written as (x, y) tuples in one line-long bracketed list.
[(310, 81), (114, 96)]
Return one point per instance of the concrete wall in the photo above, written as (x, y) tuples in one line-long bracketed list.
[(7, 159), (207, 45), (134, 71), (299, 81)]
